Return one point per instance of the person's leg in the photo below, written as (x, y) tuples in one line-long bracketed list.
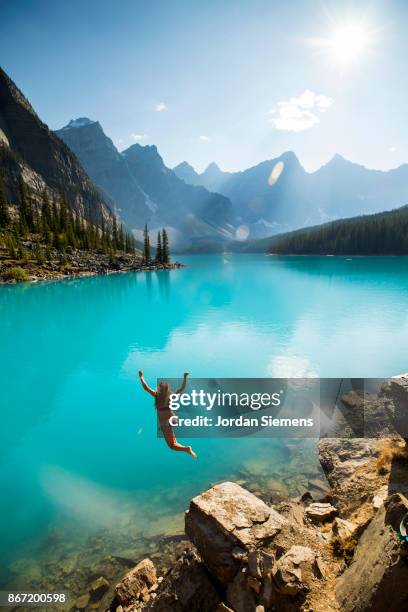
[(176, 446), (170, 438)]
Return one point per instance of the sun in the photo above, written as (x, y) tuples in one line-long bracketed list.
[(348, 43)]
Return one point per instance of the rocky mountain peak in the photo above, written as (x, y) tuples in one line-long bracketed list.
[(184, 165), (213, 167), (143, 153), (290, 157), (80, 122), (187, 173)]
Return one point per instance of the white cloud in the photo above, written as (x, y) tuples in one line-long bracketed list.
[(204, 138), (161, 106), (392, 149), (299, 113), (138, 137)]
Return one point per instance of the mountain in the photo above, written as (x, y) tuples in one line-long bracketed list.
[(278, 195), (343, 188), (107, 167), (31, 153), (213, 178), (144, 190), (383, 233), (188, 174), (199, 212), (267, 198)]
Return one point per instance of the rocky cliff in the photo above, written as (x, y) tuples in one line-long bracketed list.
[(30, 152), (342, 552)]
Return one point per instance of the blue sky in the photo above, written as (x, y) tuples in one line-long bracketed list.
[(231, 81)]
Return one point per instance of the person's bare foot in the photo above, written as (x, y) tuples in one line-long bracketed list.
[(192, 453)]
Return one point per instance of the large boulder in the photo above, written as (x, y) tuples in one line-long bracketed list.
[(377, 578), (225, 523), (187, 587), (135, 585)]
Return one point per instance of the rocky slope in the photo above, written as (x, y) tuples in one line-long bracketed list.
[(341, 553), (29, 151), (144, 190)]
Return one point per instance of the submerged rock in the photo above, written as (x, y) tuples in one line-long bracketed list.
[(98, 588), (82, 602)]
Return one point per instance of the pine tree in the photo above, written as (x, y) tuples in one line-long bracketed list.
[(11, 246), (159, 252), (26, 221), (54, 217), (121, 241), (39, 253), (165, 247), (146, 246), (63, 216), (4, 213), (115, 234), (46, 211)]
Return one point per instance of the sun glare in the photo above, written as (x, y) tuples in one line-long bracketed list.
[(348, 43)]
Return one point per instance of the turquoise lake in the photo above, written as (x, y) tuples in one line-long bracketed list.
[(78, 445)]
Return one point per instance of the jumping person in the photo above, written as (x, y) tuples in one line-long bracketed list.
[(164, 412)]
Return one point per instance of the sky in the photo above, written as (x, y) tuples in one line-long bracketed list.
[(230, 81)]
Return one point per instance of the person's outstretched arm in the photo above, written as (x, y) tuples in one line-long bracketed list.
[(183, 384), (145, 385)]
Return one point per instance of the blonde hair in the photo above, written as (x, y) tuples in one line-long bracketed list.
[(163, 393)]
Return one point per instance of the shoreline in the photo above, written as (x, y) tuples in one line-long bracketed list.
[(340, 550), (57, 275)]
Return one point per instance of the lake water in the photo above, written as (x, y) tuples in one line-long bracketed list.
[(78, 448)]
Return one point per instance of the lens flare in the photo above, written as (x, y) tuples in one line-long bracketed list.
[(276, 172), (242, 232)]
